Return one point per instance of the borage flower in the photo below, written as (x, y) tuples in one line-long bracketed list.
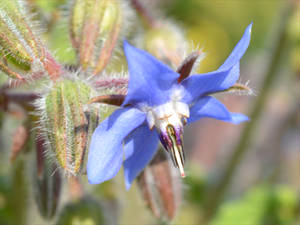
[(159, 102)]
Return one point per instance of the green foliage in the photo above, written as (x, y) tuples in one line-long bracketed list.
[(86, 211), (260, 205), (14, 195)]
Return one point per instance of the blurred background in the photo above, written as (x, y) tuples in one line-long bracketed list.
[(236, 175)]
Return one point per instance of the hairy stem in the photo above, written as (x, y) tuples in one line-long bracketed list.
[(147, 17)]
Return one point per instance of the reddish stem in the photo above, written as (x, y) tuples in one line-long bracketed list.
[(23, 99), (111, 83), (20, 138), (53, 68), (75, 188), (116, 100), (144, 13)]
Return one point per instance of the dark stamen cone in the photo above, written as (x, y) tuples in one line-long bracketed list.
[(172, 142)]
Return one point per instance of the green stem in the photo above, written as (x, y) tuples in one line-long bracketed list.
[(216, 193), (19, 194)]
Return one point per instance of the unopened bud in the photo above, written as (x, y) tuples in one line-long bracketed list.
[(95, 28), (18, 45), (85, 211), (161, 187), (166, 42), (68, 123), (47, 182), (21, 51)]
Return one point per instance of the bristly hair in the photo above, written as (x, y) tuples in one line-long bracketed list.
[(202, 55), (110, 83), (24, 13), (183, 45), (41, 123)]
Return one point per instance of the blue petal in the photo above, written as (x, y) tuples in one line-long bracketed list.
[(140, 147), (105, 153), (149, 79), (221, 79), (239, 50), (211, 107), (204, 84)]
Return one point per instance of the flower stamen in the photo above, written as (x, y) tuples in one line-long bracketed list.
[(175, 148)]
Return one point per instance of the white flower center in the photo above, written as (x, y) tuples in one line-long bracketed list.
[(169, 113), (168, 119)]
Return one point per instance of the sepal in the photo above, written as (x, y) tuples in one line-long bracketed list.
[(95, 29), (67, 123), (161, 187)]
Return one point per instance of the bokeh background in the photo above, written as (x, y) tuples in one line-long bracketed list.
[(236, 175)]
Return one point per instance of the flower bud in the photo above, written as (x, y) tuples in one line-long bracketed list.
[(20, 50), (47, 182), (161, 187), (68, 123), (166, 42), (95, 28), (85, 211)]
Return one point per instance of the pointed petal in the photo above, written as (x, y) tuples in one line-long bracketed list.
[(239, 50), (221, 79), (203, 84), (140, 147), (105, 153), (211, 107), (149, 79)]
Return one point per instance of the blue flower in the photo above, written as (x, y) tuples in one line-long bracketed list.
[(156, 107)]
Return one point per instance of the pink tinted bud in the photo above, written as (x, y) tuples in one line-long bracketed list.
[(161, 187), (95, 28)]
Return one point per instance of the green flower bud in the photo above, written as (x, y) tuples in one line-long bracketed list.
[(68, 123), (86, 211), (20, 50), (22, 55), (161, 187), (95, 28), (47, 182), (166, 42)]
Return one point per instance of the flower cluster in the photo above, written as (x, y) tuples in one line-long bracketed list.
[(158, 104)]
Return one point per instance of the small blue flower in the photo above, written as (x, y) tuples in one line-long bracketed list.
[(156, 108)]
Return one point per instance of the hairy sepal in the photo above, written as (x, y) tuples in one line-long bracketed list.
[(95, 30), (22, 54), (67, 123)]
